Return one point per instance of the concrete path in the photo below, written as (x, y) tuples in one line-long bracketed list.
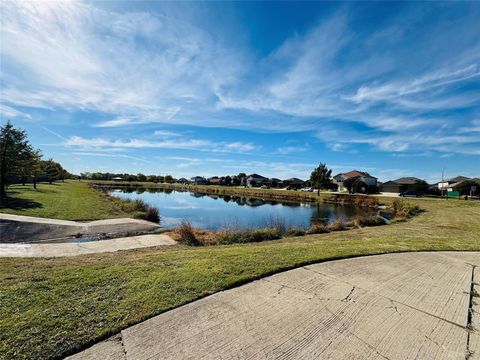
[(396, 306), (81, 248), (17, 228)]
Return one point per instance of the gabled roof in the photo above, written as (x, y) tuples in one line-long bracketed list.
[(407, 180), (355, 173), (457, 179), (294, 180), (257, 176)]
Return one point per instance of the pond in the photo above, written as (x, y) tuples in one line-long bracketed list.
[(225, 211)]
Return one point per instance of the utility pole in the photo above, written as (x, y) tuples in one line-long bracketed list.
[(443, 182)]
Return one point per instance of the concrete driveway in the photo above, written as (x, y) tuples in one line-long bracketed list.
[(395, 306)]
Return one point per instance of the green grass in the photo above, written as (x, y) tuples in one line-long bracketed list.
[(53, 307), (69, 200)]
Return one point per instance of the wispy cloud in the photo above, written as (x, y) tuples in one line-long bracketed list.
[(184, 143)]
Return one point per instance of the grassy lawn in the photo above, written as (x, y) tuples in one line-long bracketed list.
[(53, 307), (70, 200)]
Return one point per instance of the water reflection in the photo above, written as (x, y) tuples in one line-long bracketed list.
[(208, 211)]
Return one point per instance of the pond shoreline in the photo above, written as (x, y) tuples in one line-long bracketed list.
[(264, 194)]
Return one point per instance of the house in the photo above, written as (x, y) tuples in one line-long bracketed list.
[(361, 175), (257, 180), (198, 180), (215, 180), (117, 179), (276, 183), (400, 185), (183, 181), (449, 184), (294, 183)]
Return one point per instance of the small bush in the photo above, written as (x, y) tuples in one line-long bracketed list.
[(362, 221), (138, 215), (278, 223), (153, 215), (187, 234), (246, 236), (401, 209), (318, 229), (292, 231), (262, 235), (337, 225)]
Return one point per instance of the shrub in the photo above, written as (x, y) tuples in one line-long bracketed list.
[(153, 215), (361, 221), (292, 231), (337, 225), (401, 209), (278, 223), (226, 237), (246, 236), (262, 235), (187, 234), (318, 229)]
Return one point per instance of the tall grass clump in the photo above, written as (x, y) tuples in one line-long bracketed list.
[(187, 234), (366, 220), (226, 237), (278, 223), (337, 225), (402, 210)]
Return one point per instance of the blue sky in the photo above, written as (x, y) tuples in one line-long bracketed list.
[(215, 88)]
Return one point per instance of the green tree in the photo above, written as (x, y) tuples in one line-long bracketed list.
[(321, 177), (53, 171), (420, 186), (15, 149), (168, 179), (36, 167)]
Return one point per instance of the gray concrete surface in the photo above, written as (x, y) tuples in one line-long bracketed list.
[(81, 248), (17, 228), (395, 306)]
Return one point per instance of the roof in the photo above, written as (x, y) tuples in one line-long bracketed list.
[(355, 173), (407, 180), (257, 176), (294, 180), (457, 179), (117, 178)]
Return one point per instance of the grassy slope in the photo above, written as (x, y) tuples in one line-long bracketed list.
[(71, 200), (52, 307)]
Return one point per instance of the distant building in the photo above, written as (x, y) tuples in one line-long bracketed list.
[(255, 180), (215, 180), (183, 181), (295, 183), (277, 183), (117, 179), (400, 185), (198, 180), (365, 177), (449, 184)]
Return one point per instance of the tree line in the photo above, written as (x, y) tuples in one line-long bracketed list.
[(21, 163), (127, 177)]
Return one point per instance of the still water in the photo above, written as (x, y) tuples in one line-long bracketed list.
[(219, 211)]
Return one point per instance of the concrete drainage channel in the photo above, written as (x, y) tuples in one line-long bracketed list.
[(23, 236)]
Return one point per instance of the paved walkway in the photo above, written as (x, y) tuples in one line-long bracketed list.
[(17, 228), (395, 306), (81, 248)]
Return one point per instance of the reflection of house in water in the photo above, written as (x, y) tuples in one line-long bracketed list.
[(197, 194), (254, 202)]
